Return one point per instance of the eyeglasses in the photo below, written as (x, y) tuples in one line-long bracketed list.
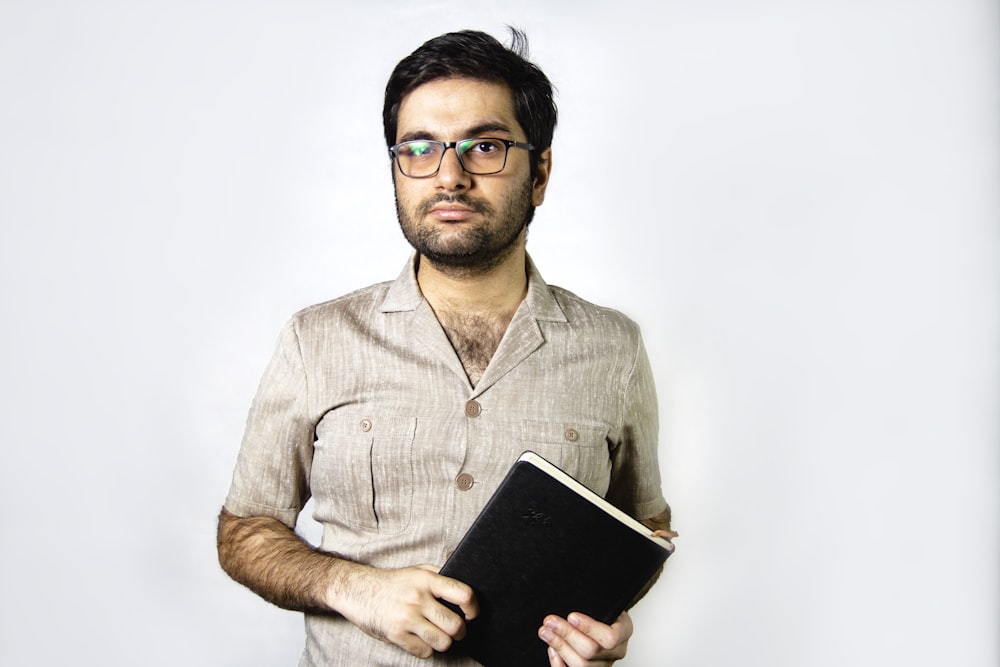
[(422, 158)]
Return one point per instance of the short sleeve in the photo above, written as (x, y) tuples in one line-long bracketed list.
[(635, 472), (272, 470)]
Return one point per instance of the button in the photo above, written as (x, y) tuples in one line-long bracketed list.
[(366, 425), (571, 435), (473, 409), (464, 481)]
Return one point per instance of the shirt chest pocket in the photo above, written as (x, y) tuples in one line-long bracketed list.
[(580, 449), (362, 471)]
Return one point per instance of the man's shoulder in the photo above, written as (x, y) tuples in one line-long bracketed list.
[(582, 313), (353, 304)]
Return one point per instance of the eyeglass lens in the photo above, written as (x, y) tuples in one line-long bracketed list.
[(477, 156)]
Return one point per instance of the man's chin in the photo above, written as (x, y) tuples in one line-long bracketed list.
[(466, 263), (459, 249), (457, 260)]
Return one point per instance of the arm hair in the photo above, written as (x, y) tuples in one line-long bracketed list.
[(270, 559)]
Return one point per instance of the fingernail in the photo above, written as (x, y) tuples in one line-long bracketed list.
[(574, 620), (551, 623), (545, 634)]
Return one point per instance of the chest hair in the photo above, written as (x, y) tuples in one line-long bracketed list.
[(475, 339)]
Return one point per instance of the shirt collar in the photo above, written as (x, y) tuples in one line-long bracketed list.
[(404, 293)]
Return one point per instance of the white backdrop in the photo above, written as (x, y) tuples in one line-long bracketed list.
[(797, 201)]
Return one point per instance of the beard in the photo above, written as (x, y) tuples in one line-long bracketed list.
[(476, 247)]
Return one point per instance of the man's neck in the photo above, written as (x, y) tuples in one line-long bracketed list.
[(475, 308), (496, 292)]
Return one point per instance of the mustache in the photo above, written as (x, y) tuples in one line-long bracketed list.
[(476, 205)]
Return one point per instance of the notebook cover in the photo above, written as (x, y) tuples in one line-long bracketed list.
[(546, 544)]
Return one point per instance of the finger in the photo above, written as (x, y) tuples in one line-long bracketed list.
[(412, 643), (574, 647), (425, 628), (583, 639), (421, 635), (434, 637), (560, 653), (446, 619), (669, 534), (457, 593), (606, 636)]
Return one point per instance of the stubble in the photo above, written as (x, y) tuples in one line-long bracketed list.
[(477, 247)]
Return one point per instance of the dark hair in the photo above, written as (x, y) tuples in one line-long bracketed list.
[(476, 55)]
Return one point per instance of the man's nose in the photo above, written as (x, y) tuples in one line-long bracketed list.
[(451, 175)]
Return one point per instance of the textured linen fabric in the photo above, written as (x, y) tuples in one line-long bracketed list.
[(366, 407)]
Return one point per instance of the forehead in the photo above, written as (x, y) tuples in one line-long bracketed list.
[(449, 109)]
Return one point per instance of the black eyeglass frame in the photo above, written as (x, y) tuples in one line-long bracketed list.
[(445, 145)]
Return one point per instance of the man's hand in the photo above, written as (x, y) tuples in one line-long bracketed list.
[(579, 640), (402, 606), (397, 606), (660, 525)]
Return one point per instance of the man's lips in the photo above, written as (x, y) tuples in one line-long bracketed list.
[(451, 212), (453, 209)]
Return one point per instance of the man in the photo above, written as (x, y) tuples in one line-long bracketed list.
[(400, 407)]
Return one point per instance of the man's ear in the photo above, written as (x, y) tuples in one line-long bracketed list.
[(541, 178)]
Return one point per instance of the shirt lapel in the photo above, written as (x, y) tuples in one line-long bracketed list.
[(522, 338), (404, 296), (524, 335)]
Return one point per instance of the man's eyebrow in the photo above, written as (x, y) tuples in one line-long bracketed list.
[(486, 128), (473, 132), (416, 134)]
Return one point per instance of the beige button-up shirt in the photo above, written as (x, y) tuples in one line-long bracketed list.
[(366, 407)]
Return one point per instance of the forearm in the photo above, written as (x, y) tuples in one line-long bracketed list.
[(268, 557), (397, 606)]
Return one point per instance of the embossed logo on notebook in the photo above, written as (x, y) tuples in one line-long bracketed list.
[(533, 517)]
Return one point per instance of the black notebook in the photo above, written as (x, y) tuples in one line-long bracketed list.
[(546, 544)]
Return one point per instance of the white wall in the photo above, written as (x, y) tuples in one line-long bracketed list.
[(797, 200)]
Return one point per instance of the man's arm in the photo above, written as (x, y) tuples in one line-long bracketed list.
[(396, 606)]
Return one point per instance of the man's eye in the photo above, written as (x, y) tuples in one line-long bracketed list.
[(418, 149), (484, 147)]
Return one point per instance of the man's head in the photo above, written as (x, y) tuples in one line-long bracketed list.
[(471, 157), (476, 55)]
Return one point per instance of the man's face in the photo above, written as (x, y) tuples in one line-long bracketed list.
[(454, 218)]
